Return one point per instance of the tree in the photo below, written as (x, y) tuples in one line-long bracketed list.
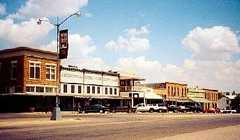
[(235, 103)]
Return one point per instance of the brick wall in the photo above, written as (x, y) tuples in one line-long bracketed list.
[(42, 80)]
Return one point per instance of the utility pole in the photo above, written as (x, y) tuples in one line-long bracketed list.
[(56, 113)]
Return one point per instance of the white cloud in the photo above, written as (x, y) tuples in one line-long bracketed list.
[(80, 53), (47, 8), (152, 70), (2, 9), (211, 64), (26, 33), (216, 43), (133, 40)]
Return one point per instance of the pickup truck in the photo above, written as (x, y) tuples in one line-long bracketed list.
[(150, 108)]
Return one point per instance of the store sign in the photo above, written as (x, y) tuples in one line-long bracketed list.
[(63, 44)]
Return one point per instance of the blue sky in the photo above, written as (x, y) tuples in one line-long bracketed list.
[(167, 24)]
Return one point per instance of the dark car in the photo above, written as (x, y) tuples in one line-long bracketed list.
[(120, 109), (183, 108), (195, 108), (94, 108), (173, 108)]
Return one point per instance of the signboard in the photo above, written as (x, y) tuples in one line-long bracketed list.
[(63, 44)]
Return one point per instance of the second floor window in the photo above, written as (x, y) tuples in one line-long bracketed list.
[(106, 90), (72, 88), (35, 70), (98, 90), (88, 89), (79, 89), (65, 88), (50, 72), (93, 90), (13, 69), (115, 91)]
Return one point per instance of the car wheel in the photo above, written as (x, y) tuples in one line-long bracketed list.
[(101, 111), (160, 111), (151, 110)]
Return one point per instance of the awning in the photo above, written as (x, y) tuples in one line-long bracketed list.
[(200, 100), (153, 96)]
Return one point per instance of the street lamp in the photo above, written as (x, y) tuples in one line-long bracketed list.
[(56, 113)]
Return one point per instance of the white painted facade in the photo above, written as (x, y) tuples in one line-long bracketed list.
[(89, 83)]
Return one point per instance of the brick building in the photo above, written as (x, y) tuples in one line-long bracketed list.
[(172, 92), (212, 96), (27, 72)]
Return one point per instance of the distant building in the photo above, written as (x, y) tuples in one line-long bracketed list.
[(212, 96), (224, 103), (197, 95), (172, 92)]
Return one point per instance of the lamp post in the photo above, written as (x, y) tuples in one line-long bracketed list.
[(56, 113)]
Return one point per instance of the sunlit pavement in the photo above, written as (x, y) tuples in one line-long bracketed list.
[(117, 125)]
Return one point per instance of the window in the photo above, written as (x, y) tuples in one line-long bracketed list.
[(13, 70), (0, 66), (39, 89), (51, 72), (72, 88), (30, 89), (111, 91), (49, 89), (93, 90), (34, 70), (98, 90), (88, 89), (106, 90), (115, 91), (65, 88), (79, 89)]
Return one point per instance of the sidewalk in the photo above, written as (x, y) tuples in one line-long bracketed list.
[(223, 133)]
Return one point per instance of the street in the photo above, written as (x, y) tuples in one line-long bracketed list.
[(139, 126)]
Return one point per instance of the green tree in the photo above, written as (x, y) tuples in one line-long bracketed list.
[(235, 103)]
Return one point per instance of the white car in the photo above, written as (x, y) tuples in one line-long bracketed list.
[(146, 108), (228, 111)]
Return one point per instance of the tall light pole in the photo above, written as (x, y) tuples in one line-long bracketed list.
[(56, 113)]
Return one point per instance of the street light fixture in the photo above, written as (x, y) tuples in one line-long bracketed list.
[(56, 113)]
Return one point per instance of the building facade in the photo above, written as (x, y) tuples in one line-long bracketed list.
[(212, 96), (198, 95), (26, 70), (27, 73), (89, 83), (173, 93)]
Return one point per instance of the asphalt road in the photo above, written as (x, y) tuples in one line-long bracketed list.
[(118, 127)]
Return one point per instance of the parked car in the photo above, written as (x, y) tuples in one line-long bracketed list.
[(161, 108), (146, 108), (212, 110), (182, 108), (94, 108), (195, 108), (173, 108), (228, 111)]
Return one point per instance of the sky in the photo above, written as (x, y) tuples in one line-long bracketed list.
[(194, 42)]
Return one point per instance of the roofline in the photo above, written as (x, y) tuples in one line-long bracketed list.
[(167, 83), (88, 70), (22, 48)]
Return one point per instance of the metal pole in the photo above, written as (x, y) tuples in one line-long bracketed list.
[(56, 113)]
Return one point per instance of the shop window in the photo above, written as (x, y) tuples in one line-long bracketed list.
[(98, 90), (30, 89), (88, 89), (39, 89), (51, 72), (65, 88), (72, 88), (49, 89), (34, 70), (13, 71), (79, 89)]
